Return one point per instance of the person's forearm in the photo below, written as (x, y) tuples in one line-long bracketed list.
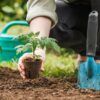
[(42, 25)]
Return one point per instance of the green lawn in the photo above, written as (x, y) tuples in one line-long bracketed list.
[(60, 66)]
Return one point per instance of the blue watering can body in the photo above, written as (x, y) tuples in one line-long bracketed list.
[(8, 43)]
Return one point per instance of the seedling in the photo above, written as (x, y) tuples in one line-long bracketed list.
[(30, 43)]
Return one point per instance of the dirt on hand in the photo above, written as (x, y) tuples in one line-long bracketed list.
[(13, 87)]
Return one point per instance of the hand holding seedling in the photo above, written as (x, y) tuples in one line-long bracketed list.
[(21, 67), (28, 64)]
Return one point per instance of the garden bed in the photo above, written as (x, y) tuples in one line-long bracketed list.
[(12, 87)]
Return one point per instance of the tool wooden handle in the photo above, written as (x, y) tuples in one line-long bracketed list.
[(92, 33)]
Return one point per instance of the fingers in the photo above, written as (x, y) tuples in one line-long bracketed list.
[(21, 67), (20, 64), (40, 52), (23, 75), (42, 67), (22, 71), (26, 55)]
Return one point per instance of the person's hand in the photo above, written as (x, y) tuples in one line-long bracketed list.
[(21, 67)]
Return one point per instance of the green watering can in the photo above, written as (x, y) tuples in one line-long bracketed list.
[(8, 43)]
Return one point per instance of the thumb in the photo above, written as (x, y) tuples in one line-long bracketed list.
[(42, 67)]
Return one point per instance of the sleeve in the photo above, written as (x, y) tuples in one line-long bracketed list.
[(42, 8)]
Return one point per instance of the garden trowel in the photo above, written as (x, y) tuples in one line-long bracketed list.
[(89, 71)]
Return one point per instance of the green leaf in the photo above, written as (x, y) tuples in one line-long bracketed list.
[(35, 43), (37, 33), (22, 38), (24, 48), (51, 43), (8, 9), (28, 46), (19, 48), (31, 42), (30, 34)]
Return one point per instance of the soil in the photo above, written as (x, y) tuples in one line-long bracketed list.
[(13, 87)]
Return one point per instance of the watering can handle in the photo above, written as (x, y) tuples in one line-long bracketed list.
[(92, 33), (13, 23)]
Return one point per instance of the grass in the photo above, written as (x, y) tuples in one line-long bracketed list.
[(55, 65), (59, 66), (10, 64)]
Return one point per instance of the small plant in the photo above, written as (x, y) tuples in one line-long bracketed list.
[(32, 42)]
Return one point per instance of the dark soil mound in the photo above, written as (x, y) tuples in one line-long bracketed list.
[(12, 87)]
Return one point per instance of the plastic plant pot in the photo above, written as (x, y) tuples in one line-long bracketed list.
[(32, 68)]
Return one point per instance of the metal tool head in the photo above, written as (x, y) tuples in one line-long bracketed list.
[(89, 71)]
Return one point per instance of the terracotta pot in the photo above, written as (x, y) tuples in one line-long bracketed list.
[(32, 67)]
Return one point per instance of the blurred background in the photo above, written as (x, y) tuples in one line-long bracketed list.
[(12, 10)]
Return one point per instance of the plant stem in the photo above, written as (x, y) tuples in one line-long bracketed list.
[(33, 51)]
